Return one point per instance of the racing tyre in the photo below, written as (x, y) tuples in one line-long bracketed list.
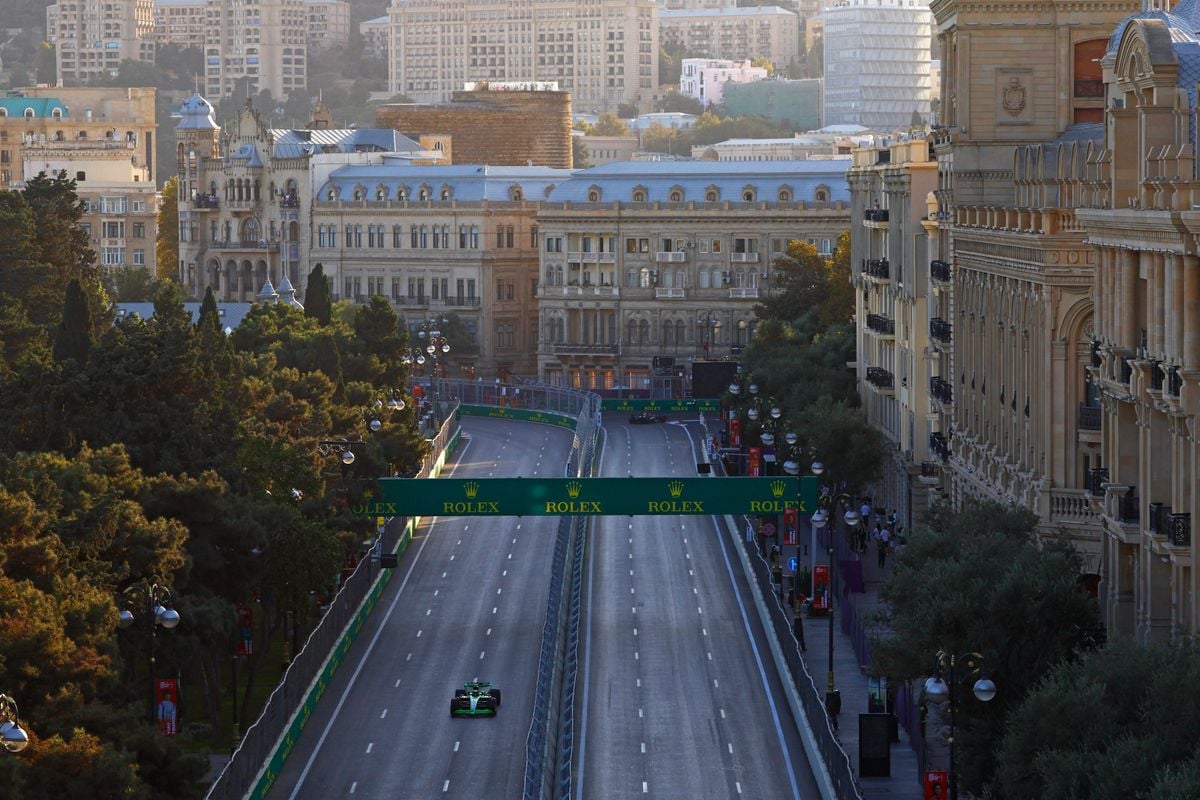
[(496, 694)]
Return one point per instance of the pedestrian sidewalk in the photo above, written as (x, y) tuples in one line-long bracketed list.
[(851, 678)]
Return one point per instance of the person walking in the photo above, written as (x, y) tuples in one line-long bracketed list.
[(883, 539)]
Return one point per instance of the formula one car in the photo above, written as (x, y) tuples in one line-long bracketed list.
[(475, 699), (646, 418)]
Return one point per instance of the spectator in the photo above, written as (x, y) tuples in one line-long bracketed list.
[(883, 539)]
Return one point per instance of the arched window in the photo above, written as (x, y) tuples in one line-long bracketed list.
[(639, 195), (821, 196), (332, 193), (58, 136), (631, 331), (676, 195), (56, 113), (703, 279), (785, 195), (82, 135), (644, 332), (29, 113), (423, 194), (748, 195), (3, 112), (593, 195), (359, 192), (515, 194), (446, 193), (712, 194), (680, 336), (402, 193), (381, 194), (251, 230)]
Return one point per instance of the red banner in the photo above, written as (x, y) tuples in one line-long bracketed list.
[(245, 630), (755, 469), (735, 432), (166, 710), (820, 600), (789, 526), (937, 784)]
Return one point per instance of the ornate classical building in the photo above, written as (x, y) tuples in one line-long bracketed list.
[(647, 266), (1138, 203), (901, 334)]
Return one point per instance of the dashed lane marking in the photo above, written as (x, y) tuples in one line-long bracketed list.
[(370, 746)]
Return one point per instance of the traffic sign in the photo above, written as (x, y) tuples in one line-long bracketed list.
[(597, 496), (791, 564)]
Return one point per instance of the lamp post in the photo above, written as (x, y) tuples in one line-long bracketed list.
[(957, 669), (155, 598), (12, 736), (741, 327), (433, 345), (710, 327), (827, 506)]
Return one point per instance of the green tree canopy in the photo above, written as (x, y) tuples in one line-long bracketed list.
[(609, 124), (166, 246), (317, 302)]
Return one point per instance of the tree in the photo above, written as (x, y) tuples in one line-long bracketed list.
[(803, 280), (316, 296), (978, 580), (166, 246), (130, 284), (674, 101), (609, 124), (46, 64), (579, 153), (74, 332), (627, 110), (764, 62)]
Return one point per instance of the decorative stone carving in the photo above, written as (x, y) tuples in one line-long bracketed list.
[(1014, 98)]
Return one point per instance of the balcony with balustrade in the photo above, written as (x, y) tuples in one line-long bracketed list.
[(670, 293), (881, 380), (1089, 418), (941, 332), (670, 257), (743, 258), (939, 446), (206, 202), (941, 390), (581, 257), (881, 325), (588, 349), (878, 270), (876, 218)]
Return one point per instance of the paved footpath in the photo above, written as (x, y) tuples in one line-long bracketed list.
[(904, 782)]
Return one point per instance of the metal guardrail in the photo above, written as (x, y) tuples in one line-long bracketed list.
[(836, 761)]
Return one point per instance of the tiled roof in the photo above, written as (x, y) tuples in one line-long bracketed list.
[(617, 181), (466, 182), (42, 106), (299, 143)]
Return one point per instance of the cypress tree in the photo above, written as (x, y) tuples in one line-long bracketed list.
[(316, 296), (73, 339)]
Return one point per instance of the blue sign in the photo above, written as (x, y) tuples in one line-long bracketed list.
[(792, 564)]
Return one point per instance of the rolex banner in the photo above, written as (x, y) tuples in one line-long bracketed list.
[(613, 496)]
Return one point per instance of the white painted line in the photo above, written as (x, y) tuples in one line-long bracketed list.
[(643, 747), (716, 685), (446, 785), (722, 713), (383, 713), (481, 652), (685, 540), (504, 574), (451, 558), (632, 590), (635, 655), (370, 746), (704, 631), (635, 631), (353, 787), (691, 573), (493, 609), (641, 713), (731, 747), (489, 632), (737, 785), (510, 555), (635, 609), (639, 682), (699, 610), (443, 574), (397, 686), (710, 656), (419, 634), (695, 590), (428, 611), (645, 787), (498, 591), (407, 659), (631, 571), (685, 555), (459, 541), (456, 747), (514, 541)]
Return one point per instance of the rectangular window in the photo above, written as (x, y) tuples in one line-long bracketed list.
[(421, 288), (462, 237), (434, 289), (412, 287), (533, 237), (139, 206), (631, 245), (445, 237), (322, 239), (348, 287), (395, 288), (424, 237), (508, 237), (704, 245), (412, 237), (139, 230), (471, 290), (397, 237), (511, 290), (778, 245), (139, 257), (499, 290), (643, 245), (826, 247), (499, 237), (474, 237), (114, 230), (370, 236), (357, 236), (716, 245), (333, 235), (437, 242)]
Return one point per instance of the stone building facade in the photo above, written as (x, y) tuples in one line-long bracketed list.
[(91, 38), (265, 42), (491, 126), (648, 266), (901, 335), (734, 33)]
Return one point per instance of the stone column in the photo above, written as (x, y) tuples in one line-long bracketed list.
[(1126, 298), (1153, 263), (1191, 312)]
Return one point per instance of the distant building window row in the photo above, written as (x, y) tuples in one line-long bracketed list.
[(419, 236)]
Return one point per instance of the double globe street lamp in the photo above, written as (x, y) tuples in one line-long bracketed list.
[(155, 598), (432, 346), (951, 671), (371, 414), (12, 736)]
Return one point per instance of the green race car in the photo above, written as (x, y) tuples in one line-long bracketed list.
[(475, 699)]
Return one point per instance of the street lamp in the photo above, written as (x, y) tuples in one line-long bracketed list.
[(155, 598), (432, 346), (12, 735), (710, 327), (939, 689), (827, 506)]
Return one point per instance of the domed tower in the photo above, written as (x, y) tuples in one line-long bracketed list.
[(198, 138)]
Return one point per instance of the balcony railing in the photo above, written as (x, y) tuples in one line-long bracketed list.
[(880, 378), (879, 268), (1097, 478), (940, 271), (1156, 376), (1129, 508), (876, 215), (1158, 519), (885, 326), (931, 469), (670, 256), (743, 292), (939, 446), (942, 390), (586, 349), (1181, 530), (245, 244), (670, 293), (466, 302), (1174, 382), (743, 258), (289, 201), (205, 201), (1096, 359), (941, 330), (1089, 418)]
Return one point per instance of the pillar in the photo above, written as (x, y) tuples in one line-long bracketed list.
[(1191, 312), (1127, 297)]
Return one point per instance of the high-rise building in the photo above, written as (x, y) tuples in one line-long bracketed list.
[(766, 32), (265, 42), (180, 22), (605, 53), (328, 23), (92, 37), (375, 36), (877, 63)]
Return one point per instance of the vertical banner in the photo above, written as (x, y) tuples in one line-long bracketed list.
[(735, 432), (166, 710), (755, 468), (937, 783), (245, 630), (789, 526), (820, 600)]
